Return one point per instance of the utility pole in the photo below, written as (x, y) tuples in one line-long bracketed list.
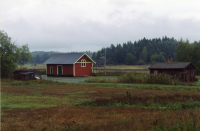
[(105, 63)]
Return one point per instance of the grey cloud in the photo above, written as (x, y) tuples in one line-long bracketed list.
[(92, 35), (124, 4), (114, 14)]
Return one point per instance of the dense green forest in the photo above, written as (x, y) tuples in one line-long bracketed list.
[(140, 52)]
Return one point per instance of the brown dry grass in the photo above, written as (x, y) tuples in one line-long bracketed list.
[(96, 118), (127, 66), (110, 69), (89, 118)]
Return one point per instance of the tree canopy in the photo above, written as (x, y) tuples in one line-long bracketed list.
[(11, 55), (130, 59), (157, 58), (187, 52), (142, 49)]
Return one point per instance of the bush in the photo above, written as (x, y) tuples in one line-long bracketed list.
[(99, 80), (141, 62), (197, 78), (147, 78)]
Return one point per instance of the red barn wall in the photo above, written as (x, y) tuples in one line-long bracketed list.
[(80, 71), (54, 69), (67, 69)]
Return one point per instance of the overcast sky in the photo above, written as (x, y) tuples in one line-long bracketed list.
[(80, 25)]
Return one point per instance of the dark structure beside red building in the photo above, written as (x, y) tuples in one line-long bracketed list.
[(24, 74), (185, 71), (69, 64)]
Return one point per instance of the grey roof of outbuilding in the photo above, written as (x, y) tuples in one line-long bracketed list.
[(65, 58), (176, 65)]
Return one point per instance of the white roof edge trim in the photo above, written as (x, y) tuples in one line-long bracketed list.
[(87, 57)]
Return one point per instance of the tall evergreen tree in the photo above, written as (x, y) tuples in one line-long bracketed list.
[(144, 54)]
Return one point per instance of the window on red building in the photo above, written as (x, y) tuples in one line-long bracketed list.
[(83, 63)]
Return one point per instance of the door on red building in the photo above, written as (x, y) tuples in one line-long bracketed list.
[(51, 70), (59, 70)]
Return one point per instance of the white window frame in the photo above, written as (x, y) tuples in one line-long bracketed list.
[(50, 70), (83, 63)]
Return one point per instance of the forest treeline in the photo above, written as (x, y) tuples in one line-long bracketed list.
[(139, 52)]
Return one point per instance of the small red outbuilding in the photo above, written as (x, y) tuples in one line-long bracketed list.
[(185, 71), (69, 64)]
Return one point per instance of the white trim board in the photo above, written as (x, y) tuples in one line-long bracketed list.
[(57, 69), (74, 69), (87, 57), (52, 70), (85, 62)]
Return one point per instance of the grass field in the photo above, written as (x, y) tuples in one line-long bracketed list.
[(119, 69), (55, 106), (30, 66), (42, 66), (125, 67)]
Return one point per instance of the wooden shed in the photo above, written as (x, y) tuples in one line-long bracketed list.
[(24, 74), (69, 64), (185, 71), (28, 76)]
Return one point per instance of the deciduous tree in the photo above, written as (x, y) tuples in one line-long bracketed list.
[(11, 55), (187, 52), (130, 59), (25, 55), (157, 58)]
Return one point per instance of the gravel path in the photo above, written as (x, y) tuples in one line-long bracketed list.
[(81, 79), (64, 79)]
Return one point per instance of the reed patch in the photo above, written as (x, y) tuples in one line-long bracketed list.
[(174, 102)]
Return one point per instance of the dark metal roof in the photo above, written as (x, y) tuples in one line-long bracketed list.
[(66, 58), (177, 65), (27, 73)]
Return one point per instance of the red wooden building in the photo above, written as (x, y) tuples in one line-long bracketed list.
[(185, 71), (69, 64)]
